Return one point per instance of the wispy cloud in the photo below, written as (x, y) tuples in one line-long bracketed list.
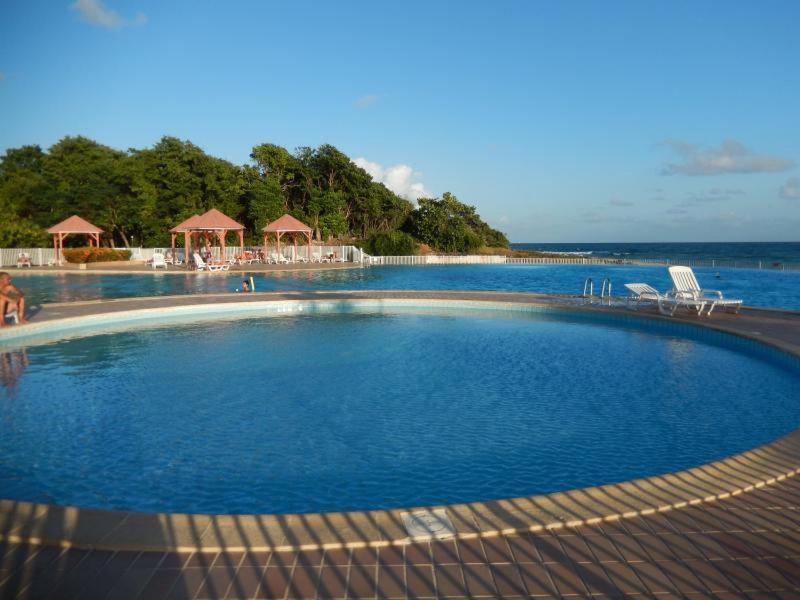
[(710, 196), (398, 178), (366, 101), (95, 12), (791, 189), (618, 202), (730, 156)]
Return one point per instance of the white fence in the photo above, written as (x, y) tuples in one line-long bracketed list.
[(436, 259), (46, 256)]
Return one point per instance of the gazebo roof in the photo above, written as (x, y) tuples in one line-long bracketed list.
[(213, 220), (287, 223), (185, 226), (74, 224)]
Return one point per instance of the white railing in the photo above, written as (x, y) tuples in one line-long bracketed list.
[(556, 260), (46, 256), (436, 259)]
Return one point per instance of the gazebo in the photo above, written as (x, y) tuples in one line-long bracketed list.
[(209, 224), (287, 225), (74, 224)]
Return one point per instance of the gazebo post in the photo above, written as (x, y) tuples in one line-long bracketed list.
[(278, 242), (55, 249), (221, 238), (308, 248), (241, 242), (187, 248), (294, 256)]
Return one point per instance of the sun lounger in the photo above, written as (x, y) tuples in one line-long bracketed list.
[(685, 285), (641, 292), (669, 303), (23, 260), (201, 265), (276, 258), (158, 260)]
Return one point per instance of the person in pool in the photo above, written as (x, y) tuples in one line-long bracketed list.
[(245, 285), (11, 298)]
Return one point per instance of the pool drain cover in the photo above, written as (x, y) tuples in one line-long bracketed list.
[(428, 523)]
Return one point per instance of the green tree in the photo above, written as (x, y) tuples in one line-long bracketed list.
[(22, 233), (391, 243), (443, 224)]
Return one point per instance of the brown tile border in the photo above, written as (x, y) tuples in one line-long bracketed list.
[(483, 522)]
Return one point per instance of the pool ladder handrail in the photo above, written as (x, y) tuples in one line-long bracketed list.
[(605, 289)]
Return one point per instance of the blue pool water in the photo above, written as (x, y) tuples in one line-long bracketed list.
[(371, 410), (776, 289)]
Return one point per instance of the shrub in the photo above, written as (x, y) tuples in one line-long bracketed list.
[(90, 255), (393, 243)]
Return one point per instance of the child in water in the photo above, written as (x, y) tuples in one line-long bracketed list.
[(245, 285)]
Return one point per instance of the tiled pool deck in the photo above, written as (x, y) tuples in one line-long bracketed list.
[(728, 529)]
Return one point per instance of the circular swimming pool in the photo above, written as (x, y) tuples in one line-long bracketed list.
[(377, 408)]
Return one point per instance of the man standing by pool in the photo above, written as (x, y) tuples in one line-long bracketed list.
[(11, 298)]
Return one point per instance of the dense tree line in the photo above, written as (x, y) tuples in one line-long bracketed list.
[(137, 195)]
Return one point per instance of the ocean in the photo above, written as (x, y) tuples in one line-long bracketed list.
[(769, 252)]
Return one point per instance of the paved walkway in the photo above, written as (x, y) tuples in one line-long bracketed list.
[(747, 546)]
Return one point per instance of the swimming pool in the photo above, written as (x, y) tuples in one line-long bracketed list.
[(775, 289), (376, 407)]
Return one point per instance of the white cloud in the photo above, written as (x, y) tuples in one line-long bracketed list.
[(96, 13), (791, 190), (730, 157), (710, 196), (618, 202), (366, 101), (398, 178)]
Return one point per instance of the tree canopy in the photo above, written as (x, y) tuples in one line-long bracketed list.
[(138, 194)]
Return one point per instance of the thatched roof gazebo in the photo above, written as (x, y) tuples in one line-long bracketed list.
[(287, 225), (73, 225), (209, 224)]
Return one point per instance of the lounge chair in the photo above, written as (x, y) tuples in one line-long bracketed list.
[(201, 265), (668, 304), (23, 260), (158, 260), (685, 285), (641, 292), (277, 258)]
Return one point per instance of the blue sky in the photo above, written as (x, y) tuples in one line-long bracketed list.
[(560, 121)]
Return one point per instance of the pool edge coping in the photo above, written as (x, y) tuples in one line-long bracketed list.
[(25, 522)]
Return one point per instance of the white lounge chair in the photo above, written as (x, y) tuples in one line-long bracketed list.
[(685, 285), (158, 260), (277, 258), (641, 292), (23, 260), (201, 265)]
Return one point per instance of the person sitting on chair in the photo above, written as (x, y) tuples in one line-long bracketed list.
[(11, 299)]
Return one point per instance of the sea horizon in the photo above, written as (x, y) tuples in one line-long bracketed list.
[(780, 252)]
